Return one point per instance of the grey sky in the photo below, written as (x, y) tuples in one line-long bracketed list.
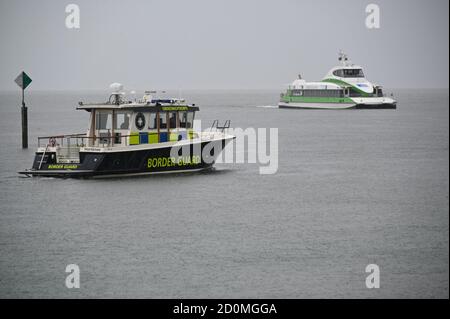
[(201, 44)]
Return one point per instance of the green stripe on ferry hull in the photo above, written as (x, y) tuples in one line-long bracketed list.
[(344, 84), (302, 99)]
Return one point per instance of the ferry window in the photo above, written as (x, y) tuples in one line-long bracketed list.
[(152, 121), (339, 73), (173, 119), (353, 73), (190, 119), (122, 120), (103, 121), (162, 120), (183, 119)]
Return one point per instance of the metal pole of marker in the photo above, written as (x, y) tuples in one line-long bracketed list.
[(24, 122), (23, 80)]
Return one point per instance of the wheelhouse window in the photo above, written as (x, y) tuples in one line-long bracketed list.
[(122, 120), (152, 124), (339, 73), (162, 120), (349, 73), (183, 119), (103, 120), (353, 73), (173, 119), (190, 120)]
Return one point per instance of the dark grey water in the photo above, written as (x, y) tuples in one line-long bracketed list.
[(353, 187)]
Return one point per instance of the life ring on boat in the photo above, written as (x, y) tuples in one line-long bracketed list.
[(139, 121)]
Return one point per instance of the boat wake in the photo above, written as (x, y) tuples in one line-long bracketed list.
[(268, 106)]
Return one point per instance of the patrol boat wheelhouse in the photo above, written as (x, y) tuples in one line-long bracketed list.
[(131, 138), (344, 87)]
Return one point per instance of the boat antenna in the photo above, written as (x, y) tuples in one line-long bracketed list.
[(133, 93), (343, 58)]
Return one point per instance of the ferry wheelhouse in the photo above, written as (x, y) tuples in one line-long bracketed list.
[(131, 138), (344, 87)]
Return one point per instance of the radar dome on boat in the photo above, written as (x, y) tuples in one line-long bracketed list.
[(116, 87)]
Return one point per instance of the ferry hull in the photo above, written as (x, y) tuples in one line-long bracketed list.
[(311, 106), (132, 162), (357, 103)]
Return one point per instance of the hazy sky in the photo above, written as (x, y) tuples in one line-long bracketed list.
[(230, 44)]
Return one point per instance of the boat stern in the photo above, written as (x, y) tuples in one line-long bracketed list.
[(383, 102)]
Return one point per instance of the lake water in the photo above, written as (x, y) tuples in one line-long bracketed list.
[(353, 188)]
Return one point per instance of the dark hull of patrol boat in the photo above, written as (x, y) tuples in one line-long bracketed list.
[(128, 163)]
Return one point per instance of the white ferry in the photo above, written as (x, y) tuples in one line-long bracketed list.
[(344, 87), (131, 138)]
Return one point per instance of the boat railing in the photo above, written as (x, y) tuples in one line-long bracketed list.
[(216, 129), (69, 145), (72, 142), (66, 140), (215, 126)]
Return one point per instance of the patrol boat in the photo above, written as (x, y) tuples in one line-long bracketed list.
[(344, 87), (131, 138)]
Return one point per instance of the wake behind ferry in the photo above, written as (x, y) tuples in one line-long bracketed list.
[(344, 87), (131, 138)]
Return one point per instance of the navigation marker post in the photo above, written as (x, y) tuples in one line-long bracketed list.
[(23, 80)]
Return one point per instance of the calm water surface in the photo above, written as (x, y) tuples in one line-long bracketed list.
[(353, 187)]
